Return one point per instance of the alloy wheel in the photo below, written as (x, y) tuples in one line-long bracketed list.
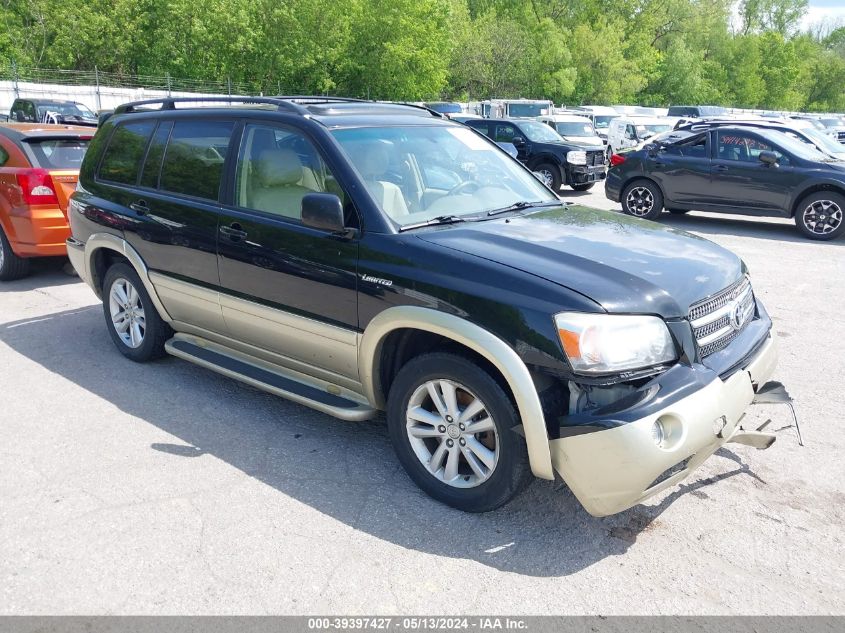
[(127, 313), (822, 217), (640, 201), (548, 178), (452, 433)]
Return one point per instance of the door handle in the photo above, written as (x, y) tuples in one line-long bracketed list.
[(721, 168), (234, 231), (140, 207)]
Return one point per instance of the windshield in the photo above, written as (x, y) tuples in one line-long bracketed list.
[(575, 128), (445, 108), (527, 109), (421, 172), (825, 142), (539, 132), (66, 110), (650, 129), (831, 122), (603, 121), (59, 153), (799, 148)]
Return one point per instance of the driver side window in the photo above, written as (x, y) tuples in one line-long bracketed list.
[(277, 167), (504, 133)]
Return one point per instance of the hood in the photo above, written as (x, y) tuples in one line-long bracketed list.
[(622, 263), (591, 141)]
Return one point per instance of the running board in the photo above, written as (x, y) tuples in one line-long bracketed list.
[(312, 392)]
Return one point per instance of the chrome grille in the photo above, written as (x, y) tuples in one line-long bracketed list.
[(718, 320), (595, 158)]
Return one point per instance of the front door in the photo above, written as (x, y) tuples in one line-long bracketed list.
[(285, 287), (742, 182)]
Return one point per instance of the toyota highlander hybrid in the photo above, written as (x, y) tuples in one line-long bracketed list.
[(356, 257)]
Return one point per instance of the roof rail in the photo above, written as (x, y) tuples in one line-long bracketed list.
[(291, 103), (169, 103)]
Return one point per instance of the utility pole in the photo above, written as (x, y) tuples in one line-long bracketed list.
[(15, 79), (97, 84)]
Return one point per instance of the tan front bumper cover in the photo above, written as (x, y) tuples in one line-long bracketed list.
[(614, 469)]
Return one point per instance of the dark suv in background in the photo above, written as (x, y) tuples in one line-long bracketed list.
[(547, 153), (355, 256), (51, 111), (733, 169)]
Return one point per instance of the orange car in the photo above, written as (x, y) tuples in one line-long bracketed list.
[(39, 167)]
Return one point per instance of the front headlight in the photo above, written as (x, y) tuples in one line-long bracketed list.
[(610, 343), (576, 157)]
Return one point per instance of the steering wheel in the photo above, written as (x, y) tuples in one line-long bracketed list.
[(460, 187)]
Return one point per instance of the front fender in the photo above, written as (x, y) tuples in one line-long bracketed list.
[(476, 338)]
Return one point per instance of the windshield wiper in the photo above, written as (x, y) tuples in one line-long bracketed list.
[(440, 219), (523, 204)]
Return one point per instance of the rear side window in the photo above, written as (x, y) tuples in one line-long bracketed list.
[(193, 161), (125, 151), (59, 153)]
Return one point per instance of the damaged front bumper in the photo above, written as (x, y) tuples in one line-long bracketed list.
[(611, 469)]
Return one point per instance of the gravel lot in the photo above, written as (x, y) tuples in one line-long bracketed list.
[(166, 489)]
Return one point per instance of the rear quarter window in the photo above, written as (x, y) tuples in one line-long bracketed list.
[(193, 160), (123, 156)]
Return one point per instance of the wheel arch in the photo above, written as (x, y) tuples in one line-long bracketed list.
[(825, 186), (481, 342), (636, 177), (104, 249)]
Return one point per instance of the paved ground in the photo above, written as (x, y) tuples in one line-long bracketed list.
[(165, 488)]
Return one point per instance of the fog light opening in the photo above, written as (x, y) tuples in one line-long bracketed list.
[(658, 433)]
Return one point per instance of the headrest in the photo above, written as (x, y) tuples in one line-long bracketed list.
[(278, 167), (373, 160)]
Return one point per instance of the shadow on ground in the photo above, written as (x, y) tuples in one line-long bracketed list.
[(345, 470), (45, 272)]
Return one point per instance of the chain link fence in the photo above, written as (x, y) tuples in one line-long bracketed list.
[(102, 90)]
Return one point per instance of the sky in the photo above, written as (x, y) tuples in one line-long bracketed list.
[(831, 12)]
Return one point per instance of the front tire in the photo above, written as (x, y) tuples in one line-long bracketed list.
[(136, 328), (451, 425), (819, 216), (584, 186), (551, 175), (642, 199), (11, 266)]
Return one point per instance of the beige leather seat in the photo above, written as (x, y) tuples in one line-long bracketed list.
[(373, 163), (275, 186)]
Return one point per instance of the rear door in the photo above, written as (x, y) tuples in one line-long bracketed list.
[(168, 174), (285, 287), (741, 182), (683, 172)]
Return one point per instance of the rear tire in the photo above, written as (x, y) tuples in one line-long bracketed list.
[(819, 216), (642, 199), (11, 266), (584, 187), (133, 322), (471, 423)]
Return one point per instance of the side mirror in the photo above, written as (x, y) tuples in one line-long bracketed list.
[(517, 141), (322, 211), (768, 158)]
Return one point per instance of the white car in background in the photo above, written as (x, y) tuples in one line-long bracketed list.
[(573, 127), (627, 132), (601, 116)]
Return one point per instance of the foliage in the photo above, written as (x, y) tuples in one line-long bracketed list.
[(749, 53)]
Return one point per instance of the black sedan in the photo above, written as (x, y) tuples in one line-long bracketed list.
[(733, 169)]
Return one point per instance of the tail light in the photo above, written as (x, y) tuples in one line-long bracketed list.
[(37, 187), (616, 159)]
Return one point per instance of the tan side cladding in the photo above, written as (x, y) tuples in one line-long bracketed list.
[(476, 338)]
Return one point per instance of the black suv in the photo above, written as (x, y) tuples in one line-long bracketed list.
[(546, 152), (51, 111), (355, 257), (733, 169)]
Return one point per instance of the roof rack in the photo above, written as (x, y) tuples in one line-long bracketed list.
[(291, 103)]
